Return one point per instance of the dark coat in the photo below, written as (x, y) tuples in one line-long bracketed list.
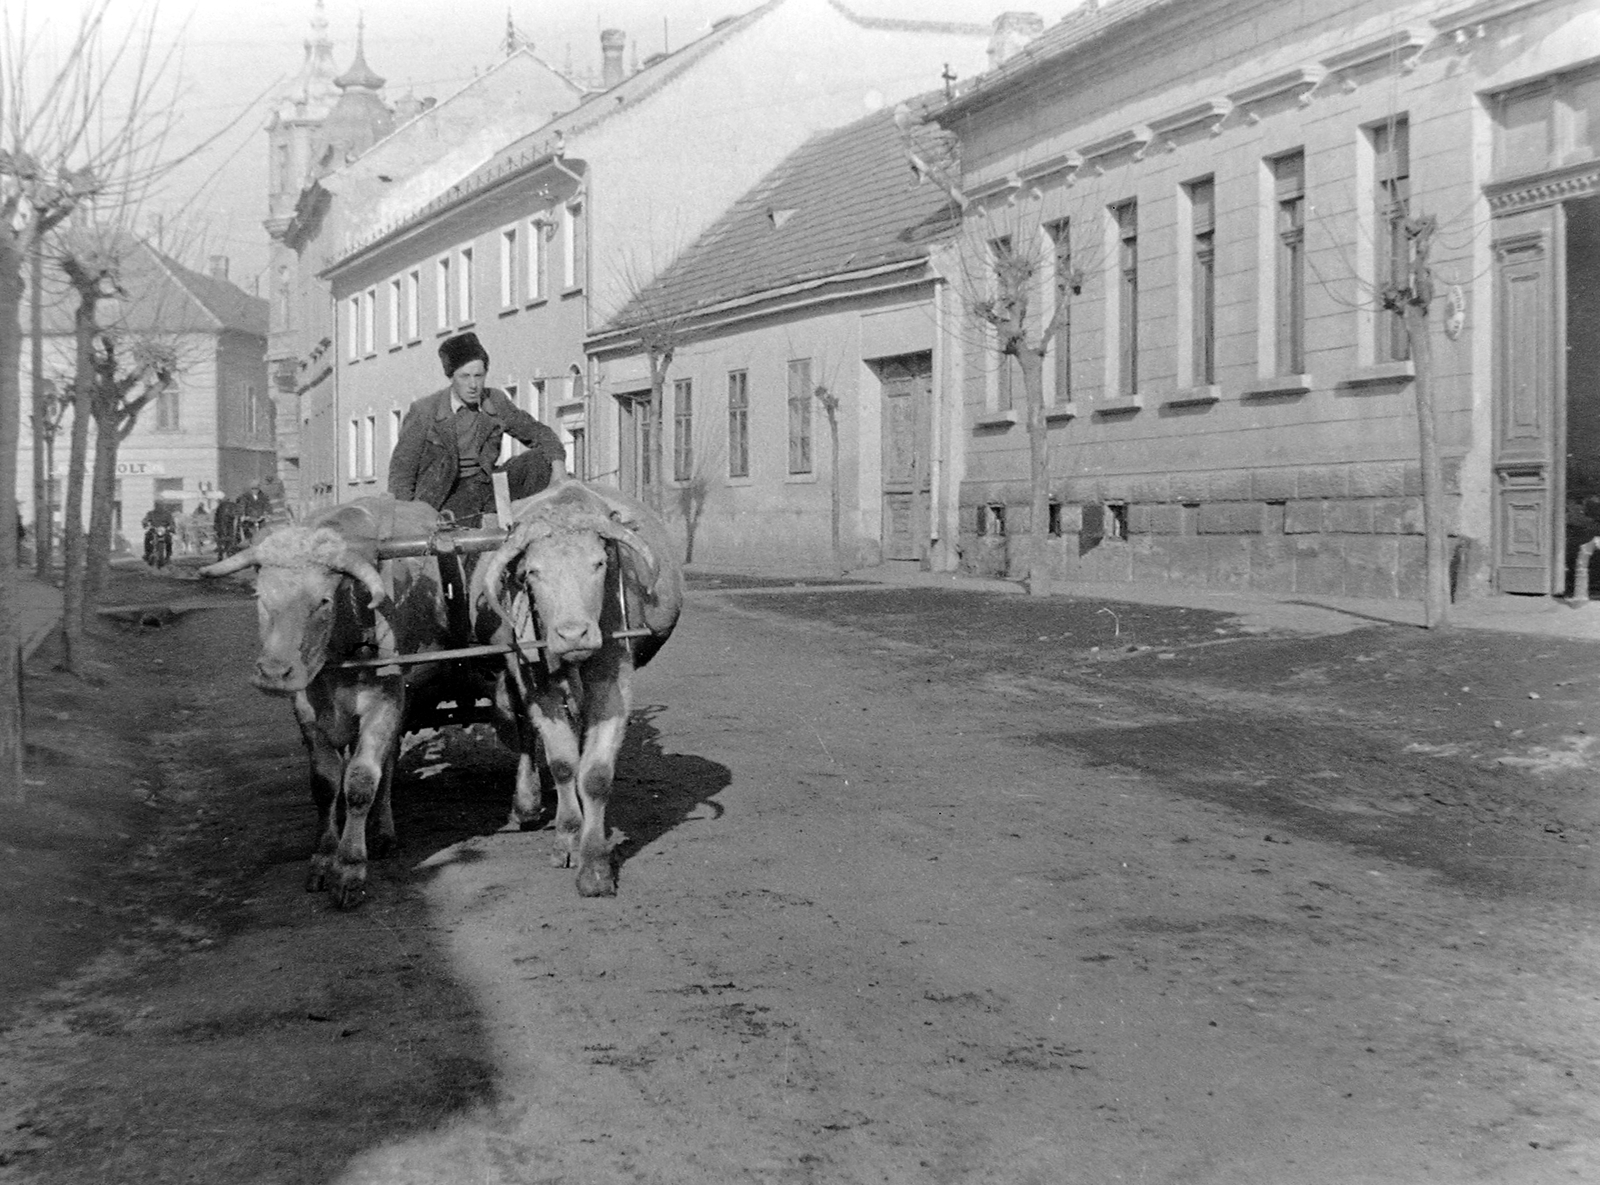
[(424, 465)]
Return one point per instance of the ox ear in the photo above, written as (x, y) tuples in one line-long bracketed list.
[(233, 563)]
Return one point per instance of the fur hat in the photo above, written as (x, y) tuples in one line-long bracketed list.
[(456, 352)]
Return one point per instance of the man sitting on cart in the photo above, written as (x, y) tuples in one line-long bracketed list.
[(450, 441)]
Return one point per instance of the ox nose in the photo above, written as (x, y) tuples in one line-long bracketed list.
[(576, 635), (272, 670)]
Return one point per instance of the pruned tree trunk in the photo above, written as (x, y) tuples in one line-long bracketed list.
[(43, 535), (1032, 366), (102, 488), (73, 610), (11, 741), (1435, 528)]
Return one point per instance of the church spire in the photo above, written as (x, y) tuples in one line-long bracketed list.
[(360, 74)]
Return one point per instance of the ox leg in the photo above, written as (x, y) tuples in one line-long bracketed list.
[(560, 740), (521, 737), (365, 774), (386, 841), (605, 724), (327, 771)]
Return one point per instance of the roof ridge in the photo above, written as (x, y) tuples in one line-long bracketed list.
[(902, 25)]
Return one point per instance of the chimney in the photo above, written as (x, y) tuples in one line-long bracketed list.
[(219, 267), (611, 44), (1012, 31)]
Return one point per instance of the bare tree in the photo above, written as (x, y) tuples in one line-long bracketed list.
[(80, 125), (828, 397)]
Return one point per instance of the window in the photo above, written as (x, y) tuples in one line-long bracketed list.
[(1289, 190), (738, 423), (578, 453), (508, 267), (352, 328), (1203, 280), (369, 429), (538, 249), (281, 293), (682, 429), (571, 272), (538, 405), (167, 410), (1391, 174), (1061, 248), (441, 275), (645, 419), (393, 292), (1547, 124), (992, 521), (353, 451), (1127, 219), (369, 313), (413, 299), (394, 429), (1005, 364), (574, 383), (169, 489), (464, 285), (800, 416), (249, 401)]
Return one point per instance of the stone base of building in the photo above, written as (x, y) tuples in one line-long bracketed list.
[(1350, 530)]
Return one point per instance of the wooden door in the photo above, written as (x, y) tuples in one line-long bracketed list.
[(907, 388), (1527, 490), (633, 456)]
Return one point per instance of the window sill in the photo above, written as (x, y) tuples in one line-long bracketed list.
[(535, 301), (1277, 385), (1060, 413), (738, 482), (1194, 397), (571, 408), (1383, 372), (995, 419), (575, 290), (507, 310), (809, 479), (1124, 405)]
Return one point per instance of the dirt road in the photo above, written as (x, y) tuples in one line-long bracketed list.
[(906, 898)]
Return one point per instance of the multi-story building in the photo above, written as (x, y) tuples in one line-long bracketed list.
[(1229, 401), (211, 433), (342, 156), (560, 229)]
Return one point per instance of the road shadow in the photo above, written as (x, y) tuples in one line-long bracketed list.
[(458, 783)]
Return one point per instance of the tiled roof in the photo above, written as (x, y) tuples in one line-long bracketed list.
[(1083, 25), (232, 306), (845, 201), (552, 137), (164, 296)]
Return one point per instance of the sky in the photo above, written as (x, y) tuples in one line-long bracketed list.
[(235, 56)]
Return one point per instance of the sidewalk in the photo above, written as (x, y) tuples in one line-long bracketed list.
[(38, 611), (1311, 614)]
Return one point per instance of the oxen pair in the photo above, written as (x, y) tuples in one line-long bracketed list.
[(578, 563)]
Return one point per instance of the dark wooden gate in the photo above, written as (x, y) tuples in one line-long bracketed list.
[(907, 411)]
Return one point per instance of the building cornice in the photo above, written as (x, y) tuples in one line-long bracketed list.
[(768, 302), (1544, 189)]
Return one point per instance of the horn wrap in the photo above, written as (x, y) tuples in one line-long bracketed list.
[(633, 541), (352, 563)]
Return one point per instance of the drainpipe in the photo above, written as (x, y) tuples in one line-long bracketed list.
[(936, 559)]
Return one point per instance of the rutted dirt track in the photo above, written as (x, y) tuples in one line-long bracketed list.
[(904, 899)]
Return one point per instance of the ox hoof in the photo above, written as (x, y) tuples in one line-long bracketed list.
[(350, 890), (316, 881), (597, 880)]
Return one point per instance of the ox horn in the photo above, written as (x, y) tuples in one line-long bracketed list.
[(233, 563), (494, 569), (352, 564)]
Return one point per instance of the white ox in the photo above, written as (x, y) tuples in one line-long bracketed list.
[(320, 599), (578, 563)]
